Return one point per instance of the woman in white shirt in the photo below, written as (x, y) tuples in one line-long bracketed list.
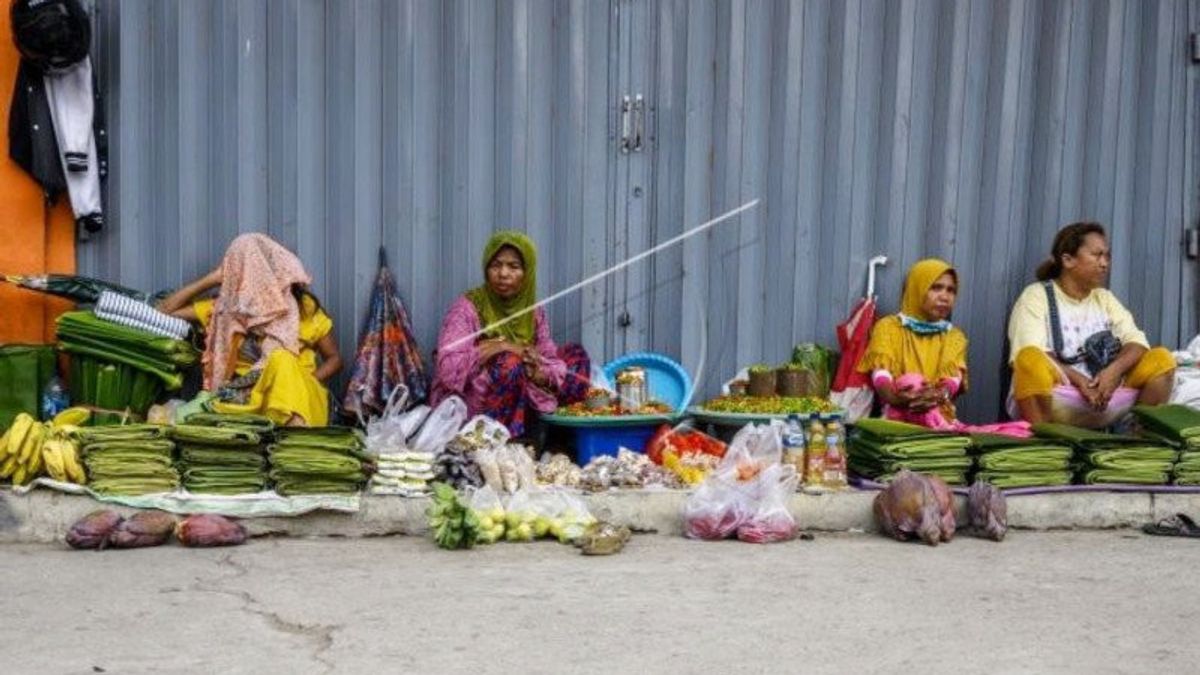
[(1042, 371)]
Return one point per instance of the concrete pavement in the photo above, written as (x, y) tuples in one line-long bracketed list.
[(1086, 602)]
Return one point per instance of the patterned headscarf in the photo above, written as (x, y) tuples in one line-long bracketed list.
[(256, 296), (492, 308)]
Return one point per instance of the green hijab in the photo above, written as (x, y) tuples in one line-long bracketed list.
[(492, 308)]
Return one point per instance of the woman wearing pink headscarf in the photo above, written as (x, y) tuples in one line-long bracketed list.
[(269, 346)]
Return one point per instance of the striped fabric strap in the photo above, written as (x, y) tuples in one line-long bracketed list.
[(134, 314)]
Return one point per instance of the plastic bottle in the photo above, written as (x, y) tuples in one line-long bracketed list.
[(793, 444), (54, 398), (814, 456), (834, 471)]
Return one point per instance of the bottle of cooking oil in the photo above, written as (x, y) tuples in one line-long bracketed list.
[(834, 470), (814, 455)]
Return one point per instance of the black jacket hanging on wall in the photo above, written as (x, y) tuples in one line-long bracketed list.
[(56, 126)]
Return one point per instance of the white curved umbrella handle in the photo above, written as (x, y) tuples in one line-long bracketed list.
[(877, 261)]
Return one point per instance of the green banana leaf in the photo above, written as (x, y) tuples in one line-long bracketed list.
[(1172, 420), (1114, 476), (133, 485), (1147, 459), (1007, 480), (256, 423), (226, 457), (1027, 459), (213, 436)]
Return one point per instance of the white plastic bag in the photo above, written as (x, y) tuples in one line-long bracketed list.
[(482, 432), (754, 448), (441, 426), (385, 434), (412, 420)]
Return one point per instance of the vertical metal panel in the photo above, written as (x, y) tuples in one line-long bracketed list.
[(970, 130)]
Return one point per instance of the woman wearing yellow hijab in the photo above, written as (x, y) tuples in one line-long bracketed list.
[(917, 359), (495, 350)]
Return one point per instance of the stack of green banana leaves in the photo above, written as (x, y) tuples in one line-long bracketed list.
[(115, 367), (1104, 459), (1178, 425), (1008, 462), (223, 460), (137, 459), (318, 460), (879, 449)]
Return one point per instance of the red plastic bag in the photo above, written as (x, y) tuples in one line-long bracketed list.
[(682, 441)]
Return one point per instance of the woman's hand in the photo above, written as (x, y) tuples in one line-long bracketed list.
[(1104, 385), (488, 349), (533, 368), (1086, 389)]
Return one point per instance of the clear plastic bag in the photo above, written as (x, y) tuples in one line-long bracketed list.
[(489, 466), (754, 449), (490, 511), (412, 420), (482, 432), (441, 426), (571, 517), (716, 509), (385, 434), (771, 520), (521, 516)]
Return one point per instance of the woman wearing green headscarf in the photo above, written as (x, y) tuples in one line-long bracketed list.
[(495, 351)]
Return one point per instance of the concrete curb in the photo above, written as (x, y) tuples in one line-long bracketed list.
[(45, 515)]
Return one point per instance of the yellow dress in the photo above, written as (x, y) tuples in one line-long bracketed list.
[(287, 385)]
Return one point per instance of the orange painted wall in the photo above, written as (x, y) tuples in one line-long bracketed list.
[(34, 238)]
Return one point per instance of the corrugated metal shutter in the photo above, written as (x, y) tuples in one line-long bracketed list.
[(969, 130)]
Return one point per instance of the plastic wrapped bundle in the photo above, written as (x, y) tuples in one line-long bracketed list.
[(131, 466)]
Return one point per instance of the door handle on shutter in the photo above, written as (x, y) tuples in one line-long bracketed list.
[(1191, 243), (626, 125), (639, 122)]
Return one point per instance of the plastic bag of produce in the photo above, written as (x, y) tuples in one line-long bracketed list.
[(523, 510), (716, 509), (385, 434), (489, 467), (441, 426), (482, 432), (771, 520), (489, 510), (755, 448), (571, 517)]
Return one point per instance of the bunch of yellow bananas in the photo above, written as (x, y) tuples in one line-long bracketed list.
[(30, 446)]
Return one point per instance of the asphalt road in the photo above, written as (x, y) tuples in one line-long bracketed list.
[(1087, 602)]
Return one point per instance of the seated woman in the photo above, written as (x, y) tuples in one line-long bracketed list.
[(917, 359), (1097, 363), (495, 350), (920, 345), (269, 347)]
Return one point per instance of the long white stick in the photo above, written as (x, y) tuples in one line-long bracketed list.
[(600, 275)]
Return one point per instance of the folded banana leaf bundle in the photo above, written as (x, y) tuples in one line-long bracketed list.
[(116, 367), (263, 426), (136, 466), (1176, 422), (129, 432), (221, 457), (1008, 462), (878, 449), (1111, 458), (317, 461)]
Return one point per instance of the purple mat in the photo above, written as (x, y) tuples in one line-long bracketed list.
[(867, 484)]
